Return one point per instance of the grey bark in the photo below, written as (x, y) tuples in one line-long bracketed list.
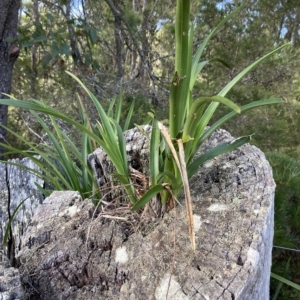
[(34, 49), (73, 251), (16, 185), (119, 43), (8, 54)]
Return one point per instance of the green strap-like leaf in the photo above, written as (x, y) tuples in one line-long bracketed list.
[(197, 69), (286, 281), (198, 141), (129, 116), (47, 167), (152, 192), (237, 78), (154, 152), (7, 230), (193, 124), (65, 162), (214, 32), (50, 111), (110, 112), (195, 114), (119, 108), (122, 149), (218, 150), (109, 130), (128, 186), (213, 106)]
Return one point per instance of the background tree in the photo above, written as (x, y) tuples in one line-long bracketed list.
[(8, 53)]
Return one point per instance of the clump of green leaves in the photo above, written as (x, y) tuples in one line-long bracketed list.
[(62, 161)]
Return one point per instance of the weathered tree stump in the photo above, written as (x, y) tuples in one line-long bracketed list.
[(71, 251)]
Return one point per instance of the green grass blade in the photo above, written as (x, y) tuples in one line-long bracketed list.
[(170, 175), (48, 167), (119, 108), (213, 106), (65, 161), (110, 112), (197, 69), (125, 167), (45, 174), (279, 286), (50, 111), (129, 116), (128, 186), (87, 177), (28, 169), (7, 230), (109, 148), (109, 130), (80, 156), (218, 150), (195, 114), (43, 191), (122, 148), (112, 151), (152, 192), (286, 281), (58, 133), (193, 121)]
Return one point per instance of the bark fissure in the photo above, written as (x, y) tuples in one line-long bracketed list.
[(10, 241)]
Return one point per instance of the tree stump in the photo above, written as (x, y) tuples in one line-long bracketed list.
[(72, 251)]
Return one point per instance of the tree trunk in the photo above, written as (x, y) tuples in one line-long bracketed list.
[(8, 54), (34, 49), (118, 40), (71, 250), (72, 36)]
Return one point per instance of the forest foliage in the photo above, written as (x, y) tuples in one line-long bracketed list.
[(128, 46)]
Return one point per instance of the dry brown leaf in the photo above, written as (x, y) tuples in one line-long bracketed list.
[(183, 173), (187, 193)]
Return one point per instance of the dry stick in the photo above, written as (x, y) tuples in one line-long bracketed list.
[(114, 217), (166, 135), (189, 208), (182, 169)]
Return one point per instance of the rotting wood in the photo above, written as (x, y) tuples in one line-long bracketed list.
[(233, 212)]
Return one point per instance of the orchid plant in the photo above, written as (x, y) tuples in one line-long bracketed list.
[(172, 150)]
